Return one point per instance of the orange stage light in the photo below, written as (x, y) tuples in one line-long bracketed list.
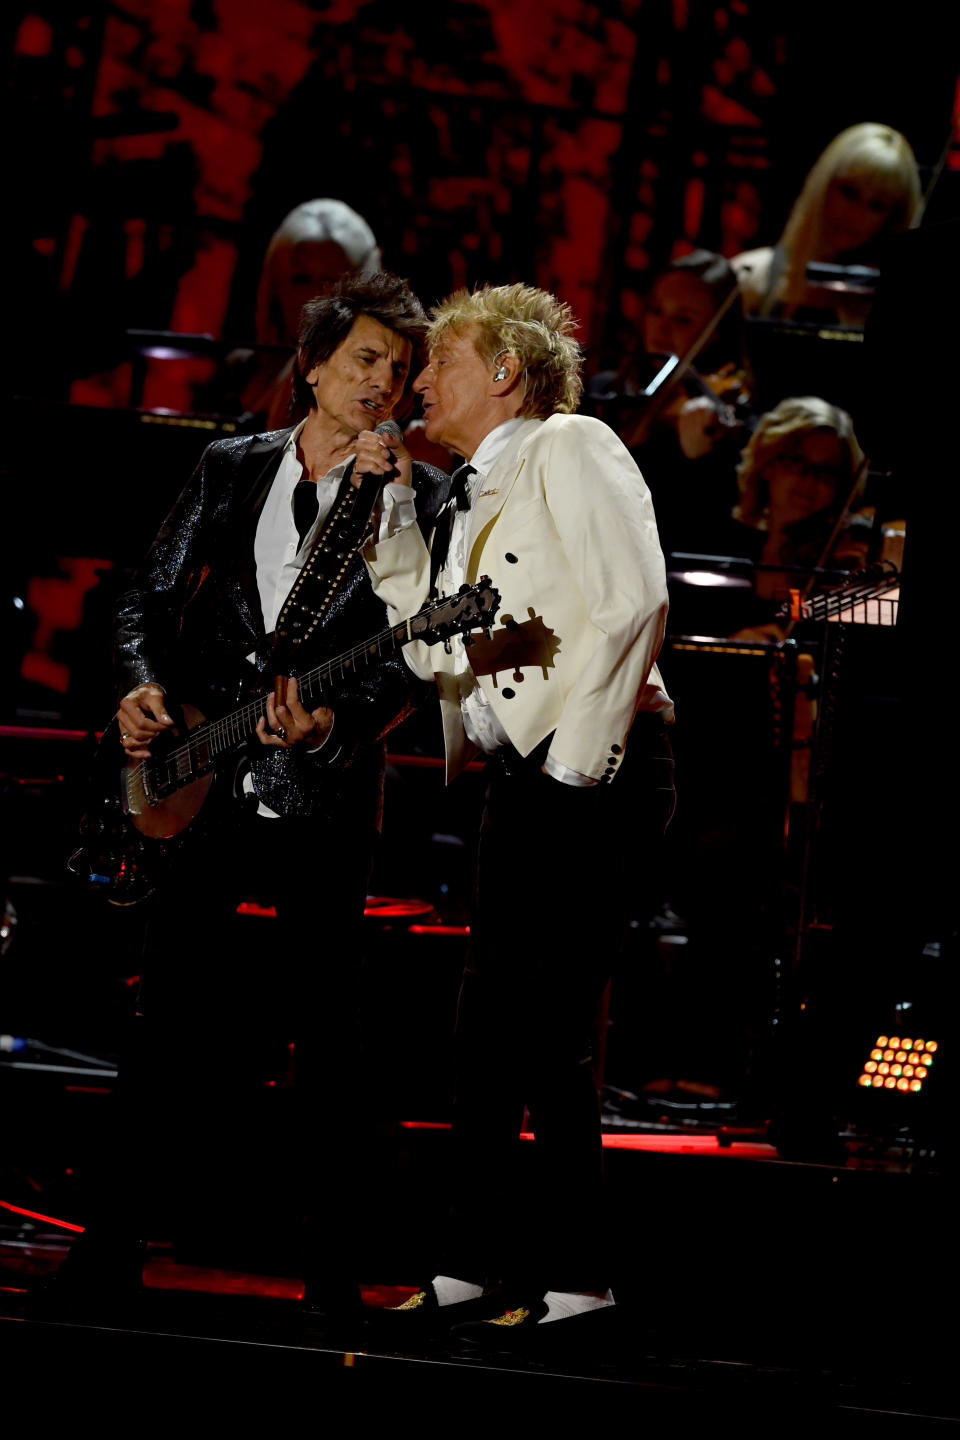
[(910, 1059)]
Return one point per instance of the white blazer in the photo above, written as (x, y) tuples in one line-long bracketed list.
[(564, 527)]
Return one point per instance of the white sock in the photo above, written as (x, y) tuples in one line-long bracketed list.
[(563, 1303), (450, 1291)]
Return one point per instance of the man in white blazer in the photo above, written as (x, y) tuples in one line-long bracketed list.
[(565, 698)]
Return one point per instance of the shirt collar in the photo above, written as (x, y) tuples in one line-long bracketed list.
[(493, 444), (290, 448), (293, 437)]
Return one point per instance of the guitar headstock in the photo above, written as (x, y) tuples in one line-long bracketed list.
[(472, 608)]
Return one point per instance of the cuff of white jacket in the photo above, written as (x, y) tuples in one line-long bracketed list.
[(398, 510), (565, 775)]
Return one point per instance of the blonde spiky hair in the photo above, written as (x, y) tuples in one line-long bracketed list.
[(529, 323)]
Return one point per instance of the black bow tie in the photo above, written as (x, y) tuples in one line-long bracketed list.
[(460, 486)]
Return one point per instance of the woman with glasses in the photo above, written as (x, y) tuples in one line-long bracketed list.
[(801, 479)]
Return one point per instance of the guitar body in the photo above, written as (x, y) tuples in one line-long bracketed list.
[(154, 814), (131, 835)]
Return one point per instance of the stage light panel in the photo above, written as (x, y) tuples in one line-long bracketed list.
[(898, 1064)]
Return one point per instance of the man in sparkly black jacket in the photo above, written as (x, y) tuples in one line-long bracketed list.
[(207, 599)]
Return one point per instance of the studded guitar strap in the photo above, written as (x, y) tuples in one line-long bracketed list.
[(322, 574)]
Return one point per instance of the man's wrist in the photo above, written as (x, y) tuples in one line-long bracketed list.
[(565, 775), (329, 747)]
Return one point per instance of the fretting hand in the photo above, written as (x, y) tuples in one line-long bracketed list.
[(291, 724)]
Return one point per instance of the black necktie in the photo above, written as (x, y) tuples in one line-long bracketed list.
[(460, 486), (460, 493), (305, 507)]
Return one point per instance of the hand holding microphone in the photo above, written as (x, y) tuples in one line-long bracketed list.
[(382, 452)]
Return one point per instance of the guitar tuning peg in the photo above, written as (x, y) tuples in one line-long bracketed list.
[(464, 590), (467, 638), (448, 648)]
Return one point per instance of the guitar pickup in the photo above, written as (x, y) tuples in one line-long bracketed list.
[(136, 790)]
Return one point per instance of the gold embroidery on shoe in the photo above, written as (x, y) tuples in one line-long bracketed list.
[(414, 1302), (510, 1317)]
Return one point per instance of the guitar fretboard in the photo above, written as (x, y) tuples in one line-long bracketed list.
[(213, 738), (158, 776)]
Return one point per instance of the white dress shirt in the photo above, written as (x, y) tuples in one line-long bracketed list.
[(278, 551)]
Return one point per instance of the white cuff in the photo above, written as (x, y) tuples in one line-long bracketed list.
[(399, 510), (565, 775), (315, 749)]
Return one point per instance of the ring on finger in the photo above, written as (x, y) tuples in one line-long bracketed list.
[(281, 732)]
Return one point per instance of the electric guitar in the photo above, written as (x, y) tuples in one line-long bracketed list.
[(140, 812)]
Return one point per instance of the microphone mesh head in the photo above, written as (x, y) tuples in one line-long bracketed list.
[(390, 428)]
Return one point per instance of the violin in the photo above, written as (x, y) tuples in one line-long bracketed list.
[(675, 382), (634, 411)]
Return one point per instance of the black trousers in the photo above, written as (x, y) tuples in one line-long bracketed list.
[(557, 866), (215, 1024)]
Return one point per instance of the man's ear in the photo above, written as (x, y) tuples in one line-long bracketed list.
[(506, 369), (310, 376)]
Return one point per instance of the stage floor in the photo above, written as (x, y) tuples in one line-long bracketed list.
[(752, 1291)]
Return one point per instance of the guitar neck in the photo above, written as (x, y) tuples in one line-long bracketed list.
[(365, 656), (194, 756), (230, 732)]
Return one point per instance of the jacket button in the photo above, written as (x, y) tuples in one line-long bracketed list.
[(510, 559), (508, 694), (616, 749), (611, 759), (610, 771), (604, 779)]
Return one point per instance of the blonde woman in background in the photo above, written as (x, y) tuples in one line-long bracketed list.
[(864, 187)]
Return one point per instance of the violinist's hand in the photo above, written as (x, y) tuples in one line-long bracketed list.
[(700, 425), (382, 455), (142, 715), (292, 724)]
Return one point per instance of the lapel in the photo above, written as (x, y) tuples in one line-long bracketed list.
[(258, 469), (256, 474), (502, 477)]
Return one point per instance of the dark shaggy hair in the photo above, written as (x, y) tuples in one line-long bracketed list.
[(326, 321)]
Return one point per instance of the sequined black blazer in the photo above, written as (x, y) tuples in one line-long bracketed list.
[(193, 613)]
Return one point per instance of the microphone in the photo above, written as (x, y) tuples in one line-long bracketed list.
[(391, 431)]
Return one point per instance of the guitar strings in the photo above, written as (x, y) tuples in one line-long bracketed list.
[(222, 732)]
